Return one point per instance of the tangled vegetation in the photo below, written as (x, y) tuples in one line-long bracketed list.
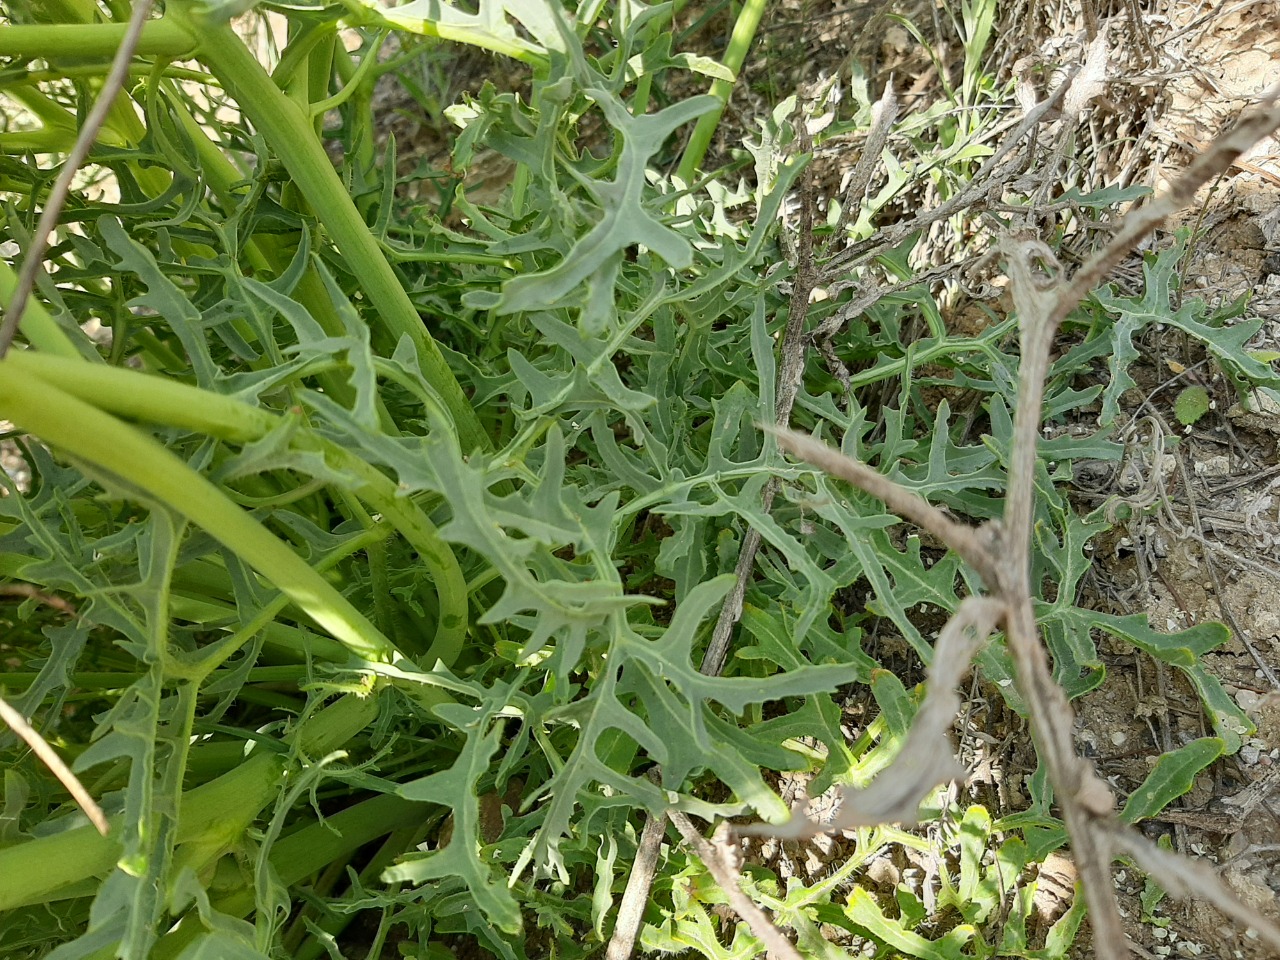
[(396, 529)]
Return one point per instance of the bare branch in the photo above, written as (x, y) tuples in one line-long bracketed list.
[(883, 114), (926, 758), (1188, 879), (639, 883), (971, 543), (720, 859)]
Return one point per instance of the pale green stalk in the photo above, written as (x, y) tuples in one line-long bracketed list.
[(287, 128), (38, 326), (303, 853), (129, 393), (744, 32), (139, 464), (160, 38), (211, 817)]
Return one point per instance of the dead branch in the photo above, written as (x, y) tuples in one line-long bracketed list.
[(636, 896), (721, 860), (927, 758), (49, 757), (883, 114), (971, 543)]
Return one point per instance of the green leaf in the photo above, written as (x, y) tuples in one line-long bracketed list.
[(624, 220), (896, 705), (866, 914), (489, 27), (1191, 405), (163, 297), (1183, 650), (1122, 353), (456, 790), (1173, 775), (1227, 343)]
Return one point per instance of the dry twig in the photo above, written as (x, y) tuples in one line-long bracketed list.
[(721, 859), (49, 757), (30, 592)]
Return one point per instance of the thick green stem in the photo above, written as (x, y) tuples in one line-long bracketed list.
[(38, 326), (744, 32), (141, 396), (153, 473), (160, 38), (305, 852), (212, 816), (288, 130), (157, 400)]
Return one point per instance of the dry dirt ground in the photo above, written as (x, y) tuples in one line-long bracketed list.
[(1178, 73)]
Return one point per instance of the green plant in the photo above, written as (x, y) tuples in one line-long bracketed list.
[(393, 538)]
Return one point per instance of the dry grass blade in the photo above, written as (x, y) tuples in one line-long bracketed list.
[(49, 757)]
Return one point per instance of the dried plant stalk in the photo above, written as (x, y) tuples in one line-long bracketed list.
[(49, 757)]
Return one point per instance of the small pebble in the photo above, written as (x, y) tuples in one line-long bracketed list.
[(1247, 699), (1118, 738)]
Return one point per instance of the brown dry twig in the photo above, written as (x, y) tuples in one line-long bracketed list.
[(49, 757), (30, 592), (926, 759), (883, 114), (720, 857)]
